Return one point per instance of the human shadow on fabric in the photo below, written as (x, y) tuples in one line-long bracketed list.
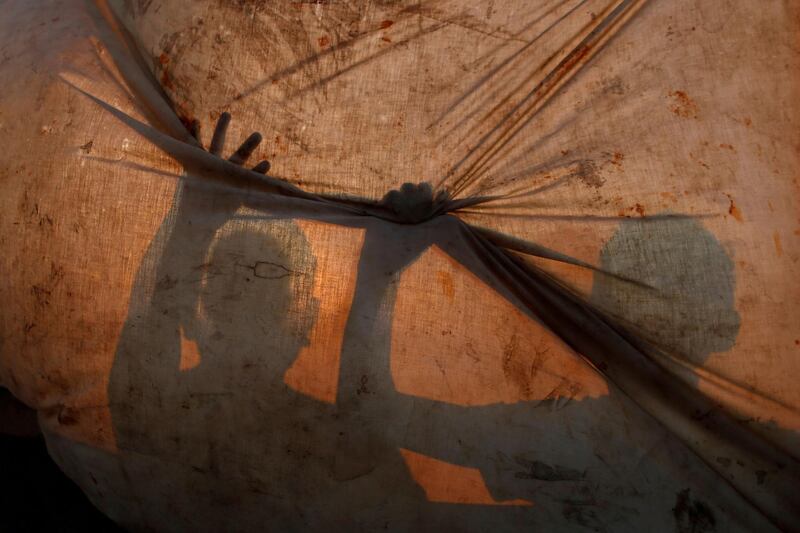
[(691, 313), (221, 307), (204, 442)]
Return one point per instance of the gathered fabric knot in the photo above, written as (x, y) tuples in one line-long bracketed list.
[(414, 203)]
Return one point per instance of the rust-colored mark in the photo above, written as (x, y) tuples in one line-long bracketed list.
[(579, 54), (776, 238), (797, 342), (386, 24), (315, 372), (190, 354), (448, 483), (386, 39), (567, 64), (617, 159), (727, 146), (324, 41), (733, 210), (748, 122), (446, 281), (166, 80), (682, 105), (629, 212)]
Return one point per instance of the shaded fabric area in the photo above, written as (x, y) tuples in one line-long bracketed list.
[(36, 495)]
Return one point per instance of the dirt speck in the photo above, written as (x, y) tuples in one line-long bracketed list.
[(682, 105), (545, 472), (776, 238), (636, 209), (386, 24), (516, 368), (733, 210), (324, 41), (692, 516), (668, 196), (588, 174), (166, 80), (446, 283), (614, 86)]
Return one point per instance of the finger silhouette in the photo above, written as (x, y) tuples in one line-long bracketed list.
[(246, 149), (218, 140), (262, 167)]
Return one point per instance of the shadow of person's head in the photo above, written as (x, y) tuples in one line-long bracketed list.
[(255, 306), (689, 309)]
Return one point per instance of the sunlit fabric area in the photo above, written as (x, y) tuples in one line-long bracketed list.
[(403, 265)]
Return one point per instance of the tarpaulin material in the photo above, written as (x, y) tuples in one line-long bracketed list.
[(513, 266)]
